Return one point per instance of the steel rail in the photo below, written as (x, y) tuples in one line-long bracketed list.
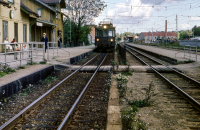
[(23, 114), (63, 125), (187, 97), (185, 76)]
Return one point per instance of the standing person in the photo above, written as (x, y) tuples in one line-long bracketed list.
[(59, 41), (44, 39)]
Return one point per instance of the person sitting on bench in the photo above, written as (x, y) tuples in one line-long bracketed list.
[(7, 45)]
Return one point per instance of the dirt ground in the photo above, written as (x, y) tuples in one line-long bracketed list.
[(167, 110)]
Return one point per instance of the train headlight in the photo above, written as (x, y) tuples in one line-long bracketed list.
[(111, 40), (104, 27), (97, 40)]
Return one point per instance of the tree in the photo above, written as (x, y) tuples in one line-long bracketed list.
[(184, 35), (196, 30), (82, 12), (83, 37)]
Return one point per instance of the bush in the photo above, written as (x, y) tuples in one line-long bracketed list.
[(120, 77), (127, 118)]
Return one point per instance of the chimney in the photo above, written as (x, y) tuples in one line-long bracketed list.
[(165, 28)]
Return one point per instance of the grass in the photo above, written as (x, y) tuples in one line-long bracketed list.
[(127, 73), (185, 62), (140, 103), (42, 62), (24, 92), (33, 63), (2, 74), (22, 67), (5, 69), (48, 79)]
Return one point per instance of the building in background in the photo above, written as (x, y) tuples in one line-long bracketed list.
[(130, 38), (148, 37), (91, 36), (27, 20), (50, 20), (14, 22)]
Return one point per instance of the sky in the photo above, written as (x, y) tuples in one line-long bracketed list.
[(146, 15)]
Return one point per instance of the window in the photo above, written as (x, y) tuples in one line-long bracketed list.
[(16, 32), (99, 33), (110, 33), (24, 33), (5, 29), (39, 11), (58, 13), (105, 33), (11, 1), (58, 16)]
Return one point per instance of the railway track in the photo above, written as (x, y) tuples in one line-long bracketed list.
[(185, 87), (49, 110)]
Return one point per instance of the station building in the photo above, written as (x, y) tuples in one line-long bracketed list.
[(27, 20)]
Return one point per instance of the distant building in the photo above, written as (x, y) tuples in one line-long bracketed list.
[(148, 37), (130, 38), (92, 33)]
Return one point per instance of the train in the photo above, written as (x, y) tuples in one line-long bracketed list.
[(105, 36)]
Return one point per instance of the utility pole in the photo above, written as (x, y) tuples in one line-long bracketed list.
[(152, 35), (70, 30), (193, 32), (177, 26)]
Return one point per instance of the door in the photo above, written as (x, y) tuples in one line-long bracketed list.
[(5, 29), (16, 32)]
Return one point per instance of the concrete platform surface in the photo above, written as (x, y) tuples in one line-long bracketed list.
[(166, 52)]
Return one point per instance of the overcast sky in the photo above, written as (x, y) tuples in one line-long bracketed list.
[(143, 15)]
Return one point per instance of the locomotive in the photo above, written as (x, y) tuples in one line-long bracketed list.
[(105, 36)]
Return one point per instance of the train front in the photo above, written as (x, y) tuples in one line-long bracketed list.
[(105, 36)]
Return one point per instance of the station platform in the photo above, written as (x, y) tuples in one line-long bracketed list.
[(29, 69), (169, 53), (66, 53)]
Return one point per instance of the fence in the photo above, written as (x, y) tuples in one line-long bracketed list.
[(188, 51), (54, 46), (21, 48), (122, 52)]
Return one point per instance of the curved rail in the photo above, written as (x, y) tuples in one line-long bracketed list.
[(187, 97), (26, 111), (64, 122)]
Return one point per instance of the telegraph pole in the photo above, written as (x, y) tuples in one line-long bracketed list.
[(152, 35), (177, 26)]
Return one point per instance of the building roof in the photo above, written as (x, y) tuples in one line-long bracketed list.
[(44, 4), (5, 3), (161, 34), (27, 10), (53, 2)]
